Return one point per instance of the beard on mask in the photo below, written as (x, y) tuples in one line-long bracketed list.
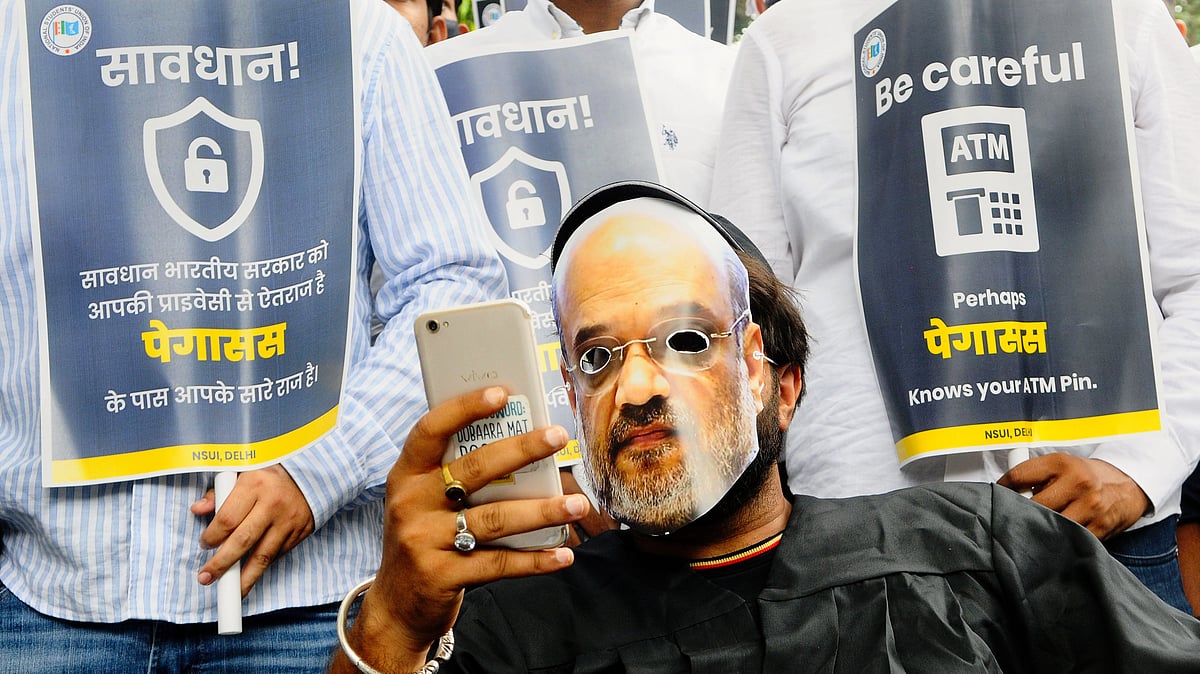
[(661, 493), (770, 445)]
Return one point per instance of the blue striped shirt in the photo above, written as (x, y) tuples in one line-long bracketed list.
[(131, 550)]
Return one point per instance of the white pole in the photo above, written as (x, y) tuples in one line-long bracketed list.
[(229, 585), (1019, 455)]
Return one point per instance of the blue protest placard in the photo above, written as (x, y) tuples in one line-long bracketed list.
[(195, 199), (540, 128), (1001, 253), (691, 14), (723, 14)]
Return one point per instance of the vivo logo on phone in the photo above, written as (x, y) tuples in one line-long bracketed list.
[(479, 376)]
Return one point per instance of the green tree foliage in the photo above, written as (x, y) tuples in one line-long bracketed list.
[(1189, 11)]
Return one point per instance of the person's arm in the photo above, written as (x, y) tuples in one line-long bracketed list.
[(419, 589), (428, 235), (1088, 491), (1187, 535), (1139, 475), (746, 179)]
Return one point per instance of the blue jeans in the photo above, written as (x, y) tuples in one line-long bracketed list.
[(292, 640), (1153, 556)]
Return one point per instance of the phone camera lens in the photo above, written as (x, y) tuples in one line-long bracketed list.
[(431, 326)]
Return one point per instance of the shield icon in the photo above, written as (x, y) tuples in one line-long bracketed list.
[(205, 167), (525, 198)]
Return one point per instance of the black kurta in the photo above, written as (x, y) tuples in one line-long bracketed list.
[(946, 578)]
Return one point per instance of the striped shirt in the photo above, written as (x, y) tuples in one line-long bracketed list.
[(131, 550)]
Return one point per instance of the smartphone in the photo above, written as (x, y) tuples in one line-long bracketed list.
[(486, 12), (465, 348)]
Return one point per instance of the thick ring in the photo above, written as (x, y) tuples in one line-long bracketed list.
[(464, 540), (455, 491)]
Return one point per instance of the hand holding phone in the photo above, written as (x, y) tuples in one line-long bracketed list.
[(419, 588)]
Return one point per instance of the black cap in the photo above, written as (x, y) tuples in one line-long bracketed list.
[(614, 193)]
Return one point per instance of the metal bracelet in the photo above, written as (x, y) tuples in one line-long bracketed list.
[(445, 643)]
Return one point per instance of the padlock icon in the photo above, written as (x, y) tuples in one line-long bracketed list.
[(527, 211), (205, 174)]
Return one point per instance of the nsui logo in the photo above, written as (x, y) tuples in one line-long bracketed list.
[(66, 30), (874, 48)]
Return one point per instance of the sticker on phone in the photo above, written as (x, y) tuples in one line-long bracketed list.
[(511, 420)]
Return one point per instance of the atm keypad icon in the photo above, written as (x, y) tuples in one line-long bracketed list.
[(1006, 213)]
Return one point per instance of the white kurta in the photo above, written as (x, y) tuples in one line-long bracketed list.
[(786, 175)]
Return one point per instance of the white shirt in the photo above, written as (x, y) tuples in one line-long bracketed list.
[(683, 78), (786, 176), (131, 550)]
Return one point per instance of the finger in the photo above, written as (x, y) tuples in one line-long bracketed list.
[(270, 546), (1084, 516), (426, 442), (1057, 495), (489, 564), (1031, 474), (596, 522), (1101, 521), (244, 538), (234, 510), (478, 468), (206, 505), (491, 521), (1101, 513)]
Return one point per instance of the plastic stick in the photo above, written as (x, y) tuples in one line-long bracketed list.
[(1019, 455), (229, 585)]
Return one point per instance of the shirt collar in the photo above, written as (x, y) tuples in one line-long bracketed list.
[(558, 24)]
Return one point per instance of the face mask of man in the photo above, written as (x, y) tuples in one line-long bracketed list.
[(657, 352)]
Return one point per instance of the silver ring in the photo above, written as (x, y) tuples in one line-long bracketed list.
[(464, 540)]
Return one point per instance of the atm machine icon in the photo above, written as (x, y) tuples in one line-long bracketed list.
[(980, 180)]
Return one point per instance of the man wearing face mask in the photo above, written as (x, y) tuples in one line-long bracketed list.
[(775, 308), (718, 571)]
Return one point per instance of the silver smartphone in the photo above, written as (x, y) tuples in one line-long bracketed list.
[(473, 346)]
